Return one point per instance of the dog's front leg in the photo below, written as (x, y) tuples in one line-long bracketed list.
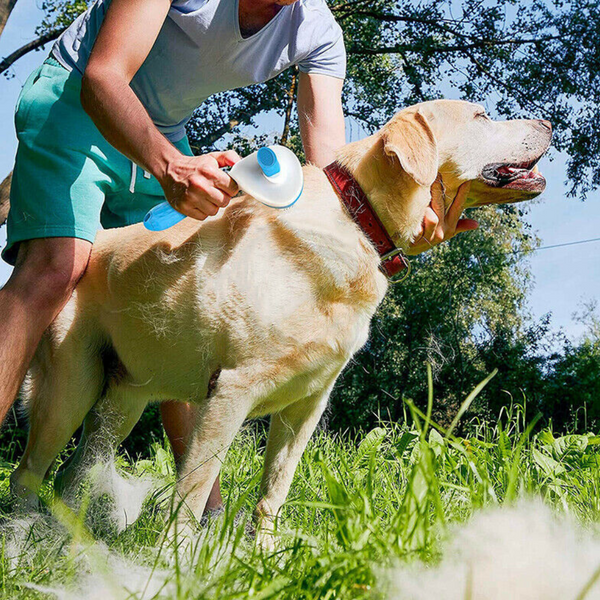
[(288, 435), (218, 420)]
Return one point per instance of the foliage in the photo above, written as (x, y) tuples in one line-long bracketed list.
[(355, 508), (460, 299), (525, 58), (560, 378), (534, 58), (463, 308), (572, 390), (60, 14)]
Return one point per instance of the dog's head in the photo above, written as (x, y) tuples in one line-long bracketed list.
[(457, 141)]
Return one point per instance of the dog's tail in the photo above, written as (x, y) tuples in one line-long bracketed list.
[(5, 198)]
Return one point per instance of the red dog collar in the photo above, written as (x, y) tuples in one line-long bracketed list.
[(363, 214)]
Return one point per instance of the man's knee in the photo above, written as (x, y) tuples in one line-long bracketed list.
[(48, 270)]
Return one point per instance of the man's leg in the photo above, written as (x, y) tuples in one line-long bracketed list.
[(178, 420), (42, 282)]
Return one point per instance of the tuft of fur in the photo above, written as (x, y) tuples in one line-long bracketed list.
[(99, 573), (105, 575), (125, 494), (523, 553)]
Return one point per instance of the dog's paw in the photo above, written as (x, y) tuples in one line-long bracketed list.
[(67, 488), (182, 534), (23, 491), (266, 539)]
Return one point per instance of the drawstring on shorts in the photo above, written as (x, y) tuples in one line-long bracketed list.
[(134, 168)]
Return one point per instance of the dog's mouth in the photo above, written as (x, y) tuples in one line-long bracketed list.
[(524, 176)]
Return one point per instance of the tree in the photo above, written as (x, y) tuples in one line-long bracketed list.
[(525, 57), (59, 15), (572, 388), (4, 198), (461, 304), (462, 308)]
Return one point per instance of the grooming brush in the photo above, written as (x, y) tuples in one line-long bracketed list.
[(272, 175)]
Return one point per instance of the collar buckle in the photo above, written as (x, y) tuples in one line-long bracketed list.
[(403, 274), (391, 254)]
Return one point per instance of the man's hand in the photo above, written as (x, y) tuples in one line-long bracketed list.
[(195, 185), (439, 226)]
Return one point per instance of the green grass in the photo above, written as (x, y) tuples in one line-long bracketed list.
[(357, 505)]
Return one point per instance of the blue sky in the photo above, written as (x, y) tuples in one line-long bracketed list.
[(563, 278)]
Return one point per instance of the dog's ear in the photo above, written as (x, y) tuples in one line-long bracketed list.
[(409, 139)]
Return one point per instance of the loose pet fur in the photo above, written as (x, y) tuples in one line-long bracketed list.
[(277, 302)]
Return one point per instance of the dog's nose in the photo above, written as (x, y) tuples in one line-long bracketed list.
[(545, 124)]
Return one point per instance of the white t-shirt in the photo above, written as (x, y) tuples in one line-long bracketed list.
[(200, 51)]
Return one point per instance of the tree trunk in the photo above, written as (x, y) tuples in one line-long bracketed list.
[(289, 108), (5, 198), (6, 7)]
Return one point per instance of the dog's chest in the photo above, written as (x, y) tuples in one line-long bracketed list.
[(297, 279), (271, 311), (307, 359)]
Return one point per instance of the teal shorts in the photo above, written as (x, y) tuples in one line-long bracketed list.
[(68, 181)]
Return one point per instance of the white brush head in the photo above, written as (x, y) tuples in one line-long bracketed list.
[(273, 175)]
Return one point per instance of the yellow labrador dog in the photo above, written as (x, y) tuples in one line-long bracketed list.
[(274, 302)]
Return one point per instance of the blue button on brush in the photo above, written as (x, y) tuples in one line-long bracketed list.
[(267, 160)]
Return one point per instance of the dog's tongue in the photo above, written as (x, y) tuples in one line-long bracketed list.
[(507, 171)]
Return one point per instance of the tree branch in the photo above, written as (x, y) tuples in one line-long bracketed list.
[(400, 48), (256, 102), (525, 96), (348, 7), (30, 46), (5, 198), (391, 18), (208, 140), (240, 117), (361, 117)]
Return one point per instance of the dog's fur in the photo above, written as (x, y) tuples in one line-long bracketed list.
[(276, 302)]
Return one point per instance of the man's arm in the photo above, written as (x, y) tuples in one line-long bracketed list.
[(321, 117), (194, 185)]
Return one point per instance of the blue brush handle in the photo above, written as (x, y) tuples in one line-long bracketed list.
[(161, 217)]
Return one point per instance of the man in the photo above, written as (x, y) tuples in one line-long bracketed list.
[(115, 95)]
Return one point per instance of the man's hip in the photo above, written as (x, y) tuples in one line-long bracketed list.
[(68, 181)]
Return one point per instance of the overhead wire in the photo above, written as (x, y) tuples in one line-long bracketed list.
[(553, 246)]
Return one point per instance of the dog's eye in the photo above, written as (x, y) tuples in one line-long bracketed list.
[(482, 115)]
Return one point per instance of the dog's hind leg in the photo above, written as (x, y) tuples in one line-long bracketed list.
[(106, 425), (65, 382)]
